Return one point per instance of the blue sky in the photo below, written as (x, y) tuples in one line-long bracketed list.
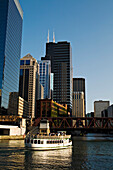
[(88, 25)]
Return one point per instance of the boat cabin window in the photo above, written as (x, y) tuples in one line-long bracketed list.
[(52, 141), (35, 141), (41, 142), (38, 141), (31, 141)]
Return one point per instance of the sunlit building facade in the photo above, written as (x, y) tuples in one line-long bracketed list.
[(50, 108), (29, 72), (18, 106), (78, 104), (78, 94)]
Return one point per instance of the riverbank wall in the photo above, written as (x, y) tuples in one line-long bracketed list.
[(17, 137)]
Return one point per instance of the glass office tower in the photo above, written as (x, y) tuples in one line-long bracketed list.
[(44, 71), (11, 17)]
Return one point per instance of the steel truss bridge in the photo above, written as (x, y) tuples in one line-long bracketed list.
[(79, 123)]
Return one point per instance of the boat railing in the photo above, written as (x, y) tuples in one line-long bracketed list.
[(39, 136)]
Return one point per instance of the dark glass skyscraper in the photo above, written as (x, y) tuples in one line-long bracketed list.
[(61, 65), (11, 17), (79, 85)]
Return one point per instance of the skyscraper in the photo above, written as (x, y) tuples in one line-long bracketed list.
[(79, 85), (45, 71), (61, 65), (79, 101), (99, 106), (11, 18), (28, 86), (78, 104)]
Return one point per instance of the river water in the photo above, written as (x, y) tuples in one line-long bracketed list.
[(87, 153)]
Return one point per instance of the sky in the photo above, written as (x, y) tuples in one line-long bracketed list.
[(88, 26)]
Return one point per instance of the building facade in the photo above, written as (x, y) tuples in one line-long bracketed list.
[(18, 106), (104, 113), (108, 112), (11, 18), (79, 89), (29, 72), (45, 71), (50, 108), (99, 106), (61, 65), (41, 92), (79, 85), (78, 104)]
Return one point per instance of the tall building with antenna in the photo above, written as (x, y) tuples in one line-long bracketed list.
[(48, 37), (53, 37), (61, 65)]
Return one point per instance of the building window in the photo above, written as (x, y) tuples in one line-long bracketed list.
[(21, 62), (21, 72), (27, 62)]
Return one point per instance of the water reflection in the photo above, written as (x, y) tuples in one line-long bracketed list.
[(11, 154), (92, 153), (54, 159), (12, 144), (85, 154), (79, 154)]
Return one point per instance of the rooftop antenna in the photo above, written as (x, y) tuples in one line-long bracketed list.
[(53, 37), (48, 37)]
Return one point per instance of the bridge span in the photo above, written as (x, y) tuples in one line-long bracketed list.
[(88, 124)]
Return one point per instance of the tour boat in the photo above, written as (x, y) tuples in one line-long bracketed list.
[(41, 138), (37, 142)]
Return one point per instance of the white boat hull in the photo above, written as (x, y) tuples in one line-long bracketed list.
[(47, 142), (48, 147)]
